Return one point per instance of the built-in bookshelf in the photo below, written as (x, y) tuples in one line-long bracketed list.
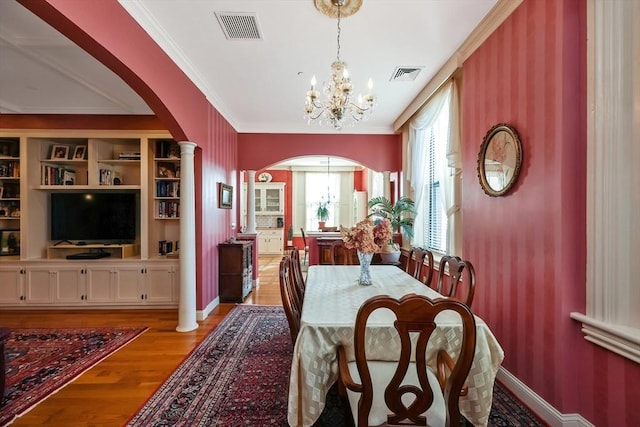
[(165, 168), (10, 230), (167, 179), (37, 167)]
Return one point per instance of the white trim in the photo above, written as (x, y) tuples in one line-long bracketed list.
[(622, 340), (538, 405), (203, 314), (613, 129)]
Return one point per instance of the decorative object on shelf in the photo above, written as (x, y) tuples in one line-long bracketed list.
[(225, 196), (59, 152), (166, 170), (9, 242), (400, 215), (265, 177), (80, 152), (367, 238), (338, 108), (499, 160)]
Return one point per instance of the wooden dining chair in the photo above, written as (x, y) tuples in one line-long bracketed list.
[(292, 309), (297, 278), (408, 392), (306, 247), (341, 255), (456, 279), (420, 265), (427, 269)]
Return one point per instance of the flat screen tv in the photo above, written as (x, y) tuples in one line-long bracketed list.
[(94, 217)]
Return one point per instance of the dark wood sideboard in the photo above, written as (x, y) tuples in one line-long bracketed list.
[(235, 270)]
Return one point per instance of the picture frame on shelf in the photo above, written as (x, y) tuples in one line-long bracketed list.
[(9, 242), (59, 152), (80, 152), (225, 196)]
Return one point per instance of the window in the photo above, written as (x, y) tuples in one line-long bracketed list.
[(320, 187), (430, 139)]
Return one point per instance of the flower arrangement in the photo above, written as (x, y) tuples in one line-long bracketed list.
[(366, 236)]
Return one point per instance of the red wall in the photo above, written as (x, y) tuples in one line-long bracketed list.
[(528, 248), (377, 152)]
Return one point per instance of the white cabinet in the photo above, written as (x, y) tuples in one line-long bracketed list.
[(270, 241), (161, 284), (11, 284), (269, 198), (100, 284)]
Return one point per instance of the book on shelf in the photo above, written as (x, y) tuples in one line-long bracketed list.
[(55, 175), (129, 155), (168, 209), (168, 189), (166, 247), (10, 169)]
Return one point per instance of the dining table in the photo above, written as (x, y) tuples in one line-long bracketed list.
[(332, 298)]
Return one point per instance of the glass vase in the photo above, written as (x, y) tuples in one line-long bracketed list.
[(365, 268)]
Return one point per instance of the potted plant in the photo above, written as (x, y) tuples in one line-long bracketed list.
[(400, 215), (322, 213), (290, 235)]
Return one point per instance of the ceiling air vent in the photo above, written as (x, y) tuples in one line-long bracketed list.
[(405, 74), (239, 25)]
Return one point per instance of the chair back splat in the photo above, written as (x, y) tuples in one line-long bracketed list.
[(456, 279), (410, 391)]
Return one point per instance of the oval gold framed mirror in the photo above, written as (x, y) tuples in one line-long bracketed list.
[(499, 160)]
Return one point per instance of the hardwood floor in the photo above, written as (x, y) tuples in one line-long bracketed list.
[(113, 391)]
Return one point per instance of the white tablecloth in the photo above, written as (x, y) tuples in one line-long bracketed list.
[(331, 302)]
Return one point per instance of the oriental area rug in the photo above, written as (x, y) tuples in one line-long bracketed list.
[(239, 375), (40, 362)]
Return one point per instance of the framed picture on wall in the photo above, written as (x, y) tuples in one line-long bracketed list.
[(225, 196)]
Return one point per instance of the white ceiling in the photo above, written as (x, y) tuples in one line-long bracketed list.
[(257, 85)]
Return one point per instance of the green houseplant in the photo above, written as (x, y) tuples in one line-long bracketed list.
[(322, 213), (401, 215)]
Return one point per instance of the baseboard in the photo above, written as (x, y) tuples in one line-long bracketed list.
[(203, 314), (538, 405)]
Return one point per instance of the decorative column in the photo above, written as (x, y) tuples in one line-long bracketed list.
[(187, 305), (251, 202), (386, 177)]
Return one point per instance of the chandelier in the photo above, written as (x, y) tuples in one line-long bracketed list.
[(338, 108)]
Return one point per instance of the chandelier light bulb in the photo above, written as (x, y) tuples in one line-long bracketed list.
[(370, 84), (313, 82)]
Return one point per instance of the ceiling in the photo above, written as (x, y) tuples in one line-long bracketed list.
[(257, 85)]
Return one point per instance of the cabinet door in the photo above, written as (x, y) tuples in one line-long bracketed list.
[(11, 285), (273, 201), (39, 285), (129, 284), (68, 285), (160, 285), (99, 284)]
